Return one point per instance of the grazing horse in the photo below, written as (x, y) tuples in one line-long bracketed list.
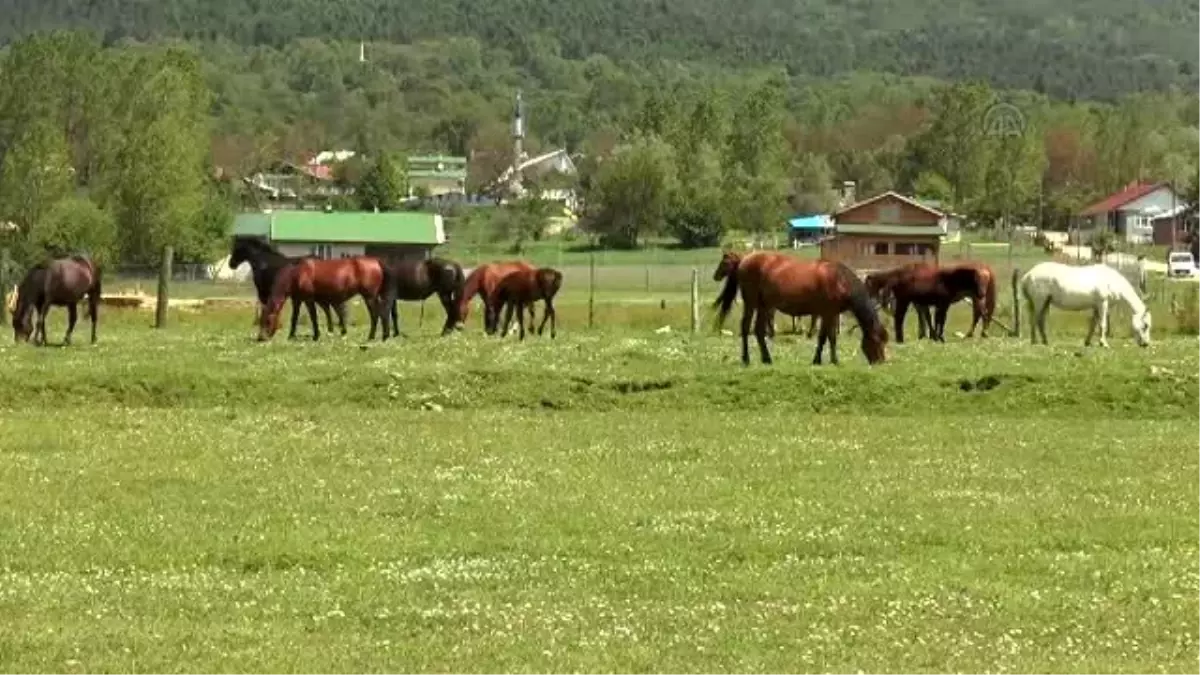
[(62, 282), (720, 275), (313, 281), (771, 282), (265, 262), (927, 284), (1076, 288), (415, 281), (521, 288), (484, 280)]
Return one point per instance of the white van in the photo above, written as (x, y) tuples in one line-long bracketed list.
[(1181, 264)]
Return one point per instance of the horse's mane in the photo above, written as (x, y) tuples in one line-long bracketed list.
[(1125, 287)]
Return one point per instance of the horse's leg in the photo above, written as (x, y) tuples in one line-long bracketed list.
[(822, 336), (938, 332), (508, 315), (41, 325), (812, 327), (312, 315), (395, 310), (901, 310), (833, 336), (72, 317), (1041, 319), (762, 321), (1087, 341), (924, 324), (340, 308), (553, 314), (328, 316), (521, 319), (295, 318), (747, 317), (94, 311), (1104, 323)]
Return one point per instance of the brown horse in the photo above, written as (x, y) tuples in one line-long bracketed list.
[(62, 282), (522, 288), (720, 275), (927, 284), (313, 281), (484, 280), (771, 281)]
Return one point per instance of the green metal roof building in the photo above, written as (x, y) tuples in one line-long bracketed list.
[(439, 174), (344, 234)]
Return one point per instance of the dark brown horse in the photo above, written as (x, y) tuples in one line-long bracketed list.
[(62, 282), (415, 281), (266, 262), (520, 289), (940, 287), (771, 281), (312, 281), (720, 275), (484, 280)]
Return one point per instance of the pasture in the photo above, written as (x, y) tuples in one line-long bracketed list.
[(614, 500)]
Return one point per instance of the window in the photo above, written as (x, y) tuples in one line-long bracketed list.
[(322, 251), (880, 248), (906, 249)]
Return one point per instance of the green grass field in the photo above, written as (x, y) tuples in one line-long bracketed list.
[(614, 500)]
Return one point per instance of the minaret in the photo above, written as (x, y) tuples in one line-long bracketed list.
[(518, 130)]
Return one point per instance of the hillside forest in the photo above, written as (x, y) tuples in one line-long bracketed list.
[(122, 141)]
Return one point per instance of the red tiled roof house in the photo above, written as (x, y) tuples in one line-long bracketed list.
[(1130, 213)]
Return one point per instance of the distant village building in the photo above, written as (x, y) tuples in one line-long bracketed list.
[(438, 175), (342, 235), (885, 231), (537, 169), (1130, 212)]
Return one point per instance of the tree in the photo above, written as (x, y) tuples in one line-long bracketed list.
[(382, 186), (955, 143), (812, 185), (932, 185), (160, 174), (74, 225), (696, 215), (36, 176), (754, 178), (633, 191)]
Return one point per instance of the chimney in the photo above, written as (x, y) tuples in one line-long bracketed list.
[(848, 196)]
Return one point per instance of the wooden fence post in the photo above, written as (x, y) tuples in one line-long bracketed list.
[(647, 278), (1016, 295), (164, 287), (592, 289), (695, 300)]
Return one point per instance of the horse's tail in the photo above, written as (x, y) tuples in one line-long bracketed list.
[(724, 301), (989, 297), (859, 300)]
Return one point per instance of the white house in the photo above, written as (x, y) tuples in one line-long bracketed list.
[(1130, 213)]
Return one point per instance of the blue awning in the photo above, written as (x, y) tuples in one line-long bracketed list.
[(811, 223)]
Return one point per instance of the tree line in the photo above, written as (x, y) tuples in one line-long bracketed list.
[(116, 147), (1088, 49)]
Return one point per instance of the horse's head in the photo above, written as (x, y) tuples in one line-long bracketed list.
[(22, 322), (874, 343), (268, 320), (1141, 328), (728, 265)]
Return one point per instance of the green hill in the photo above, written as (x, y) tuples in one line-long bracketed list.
[(1073, 48)]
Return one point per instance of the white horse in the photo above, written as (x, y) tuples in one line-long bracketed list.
[(1076, 289)]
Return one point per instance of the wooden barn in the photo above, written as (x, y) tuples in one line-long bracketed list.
[(885, 231)]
